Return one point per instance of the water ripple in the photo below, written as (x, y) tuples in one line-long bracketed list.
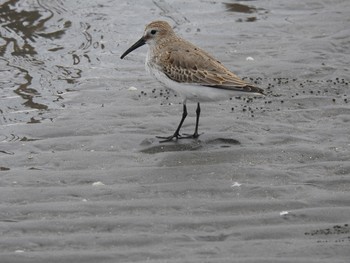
[(34, 68)]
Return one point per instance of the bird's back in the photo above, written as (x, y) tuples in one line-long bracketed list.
[(183, 62)]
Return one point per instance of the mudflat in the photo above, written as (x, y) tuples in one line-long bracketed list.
[(83, 177)]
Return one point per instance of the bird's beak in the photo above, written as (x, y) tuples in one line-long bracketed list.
[(138, 44)]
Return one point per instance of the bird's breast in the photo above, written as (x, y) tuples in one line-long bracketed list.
[(151, 66)]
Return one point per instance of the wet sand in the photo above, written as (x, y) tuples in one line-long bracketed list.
[(84, 179)]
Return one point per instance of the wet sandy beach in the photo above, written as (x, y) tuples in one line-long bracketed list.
[(83, 177)]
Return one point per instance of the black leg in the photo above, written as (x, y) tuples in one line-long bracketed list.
[(176, 134), (198, 112), (195, 134)]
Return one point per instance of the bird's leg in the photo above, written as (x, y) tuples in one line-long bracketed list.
[(198, 112), (176, 134), (195, 134)]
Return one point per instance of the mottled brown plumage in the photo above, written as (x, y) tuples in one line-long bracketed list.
[(183, 62)]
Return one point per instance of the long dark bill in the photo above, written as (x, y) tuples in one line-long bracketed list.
[(138, 44)]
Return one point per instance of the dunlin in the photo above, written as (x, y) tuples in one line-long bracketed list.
[(188, 70)]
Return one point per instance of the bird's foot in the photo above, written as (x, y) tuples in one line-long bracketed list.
[(175, 137), (190, 136)]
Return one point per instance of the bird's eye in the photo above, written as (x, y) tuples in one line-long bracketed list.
[(153, 32)]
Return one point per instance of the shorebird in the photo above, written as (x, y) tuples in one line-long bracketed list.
[(188, 70)]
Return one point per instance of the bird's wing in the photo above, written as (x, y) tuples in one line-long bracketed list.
[(190, 64)]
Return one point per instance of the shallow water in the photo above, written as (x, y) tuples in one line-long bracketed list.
[(84, 179)]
